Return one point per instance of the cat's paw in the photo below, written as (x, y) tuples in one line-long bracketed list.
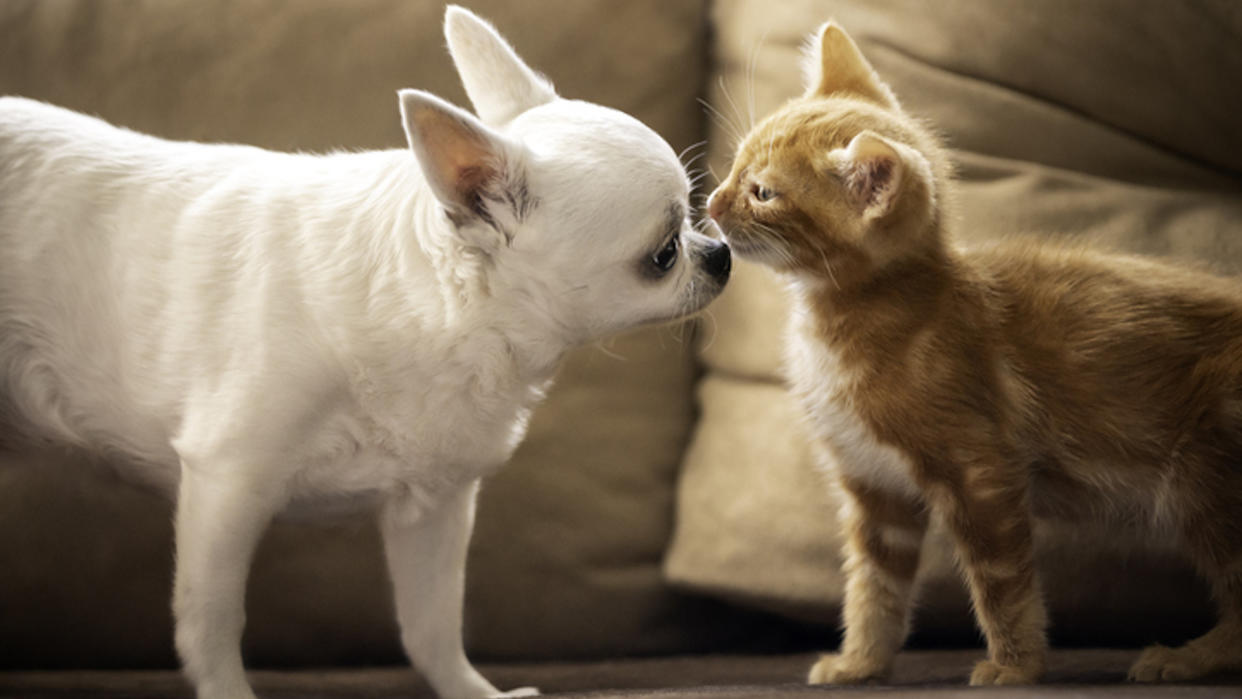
[(1162, 664), (988, 673), (834, 668), (519, 692)]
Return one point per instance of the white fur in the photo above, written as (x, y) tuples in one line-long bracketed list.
[(820, 382), (258, 331)]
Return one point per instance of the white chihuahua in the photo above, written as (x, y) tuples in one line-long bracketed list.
[(260, 331)]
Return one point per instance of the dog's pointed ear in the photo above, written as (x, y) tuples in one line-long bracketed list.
[(873, 171), (833, 63), (467, 164), (499, 84)]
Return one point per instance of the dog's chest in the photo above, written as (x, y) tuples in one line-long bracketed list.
[(415, 440), (826, 387)]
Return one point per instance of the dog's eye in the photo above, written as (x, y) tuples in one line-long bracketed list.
[(762, 193), (667, 257)]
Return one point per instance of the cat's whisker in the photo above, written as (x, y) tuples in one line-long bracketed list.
[(750, 75), (772, 241), (717, 116), (827, 267), (713, 172), (737, 112), (782, 248), (723, 122)]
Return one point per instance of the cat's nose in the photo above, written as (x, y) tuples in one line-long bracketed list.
[(716, 205)]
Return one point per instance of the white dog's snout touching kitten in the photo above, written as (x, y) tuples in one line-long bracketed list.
[(258, 331)]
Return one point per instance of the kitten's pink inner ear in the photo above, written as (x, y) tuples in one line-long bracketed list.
[(873, 170)]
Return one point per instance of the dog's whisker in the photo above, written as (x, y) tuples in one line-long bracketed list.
[(697, 157), (707, 315), (689, 149), (608, 351)]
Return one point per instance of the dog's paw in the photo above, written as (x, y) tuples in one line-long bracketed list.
[(834, 668), (519, 692), (988, 672), (1162, 664)]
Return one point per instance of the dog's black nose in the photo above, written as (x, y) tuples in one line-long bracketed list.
[(719, 261)]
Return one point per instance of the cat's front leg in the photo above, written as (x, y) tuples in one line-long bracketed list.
[(884, 535), (987, 511)]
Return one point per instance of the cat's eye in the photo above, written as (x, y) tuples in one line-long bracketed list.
[(762, 193), (667, 256)]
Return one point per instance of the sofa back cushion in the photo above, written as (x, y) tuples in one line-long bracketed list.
[(1111, 121)]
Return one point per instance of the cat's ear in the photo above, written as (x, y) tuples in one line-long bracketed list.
[(833, 64), (499, 84), (465, 163), (873, 171)]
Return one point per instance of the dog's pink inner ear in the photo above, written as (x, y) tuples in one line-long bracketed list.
[(461, 159), (471, 180)]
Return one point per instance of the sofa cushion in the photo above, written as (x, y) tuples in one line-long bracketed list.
[(1092, 121), (1079, 673), (566, 561)]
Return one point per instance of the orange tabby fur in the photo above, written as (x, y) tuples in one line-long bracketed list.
[(988, 386)]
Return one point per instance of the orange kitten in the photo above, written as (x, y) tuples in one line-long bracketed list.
[(987, 386)]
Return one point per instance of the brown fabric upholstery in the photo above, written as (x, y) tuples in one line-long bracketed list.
[(1079, 673), (1111, 121)]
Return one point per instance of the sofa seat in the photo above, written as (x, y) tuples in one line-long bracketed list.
[(940, 673)]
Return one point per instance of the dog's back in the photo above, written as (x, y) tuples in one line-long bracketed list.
[(133, 265), (63, 202)]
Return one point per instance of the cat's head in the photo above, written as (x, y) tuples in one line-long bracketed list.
[(838, 182)]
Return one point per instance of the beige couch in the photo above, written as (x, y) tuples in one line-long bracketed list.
[(664, 503)]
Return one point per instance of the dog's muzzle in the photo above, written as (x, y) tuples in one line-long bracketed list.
[(718, 261)]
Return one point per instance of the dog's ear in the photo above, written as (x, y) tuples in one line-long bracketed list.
[(472, 170), (499, 84)]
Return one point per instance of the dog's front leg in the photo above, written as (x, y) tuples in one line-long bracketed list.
[(219, 521), (427, 561)]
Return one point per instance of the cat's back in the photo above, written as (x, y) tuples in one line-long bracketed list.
[(1128, 359), (1076, 292)]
